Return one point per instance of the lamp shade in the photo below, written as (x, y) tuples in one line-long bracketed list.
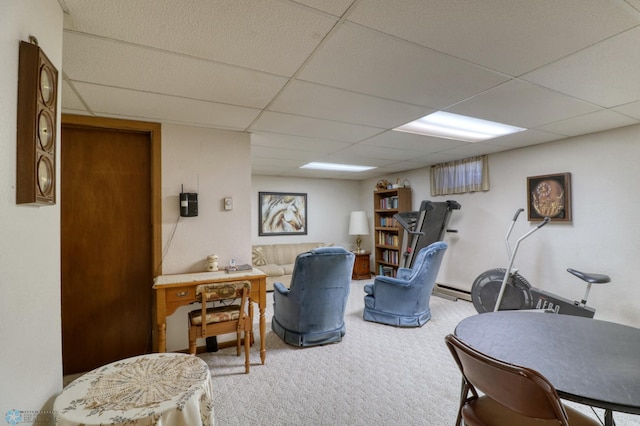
[(358, 224)]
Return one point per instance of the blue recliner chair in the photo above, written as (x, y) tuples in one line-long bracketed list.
[(311, 312), (403, 301)]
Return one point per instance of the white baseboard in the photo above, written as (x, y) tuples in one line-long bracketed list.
[(453, 292)]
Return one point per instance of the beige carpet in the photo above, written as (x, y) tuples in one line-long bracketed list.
[(377, 375)]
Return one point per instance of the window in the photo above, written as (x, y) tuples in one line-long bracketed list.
[(457, 177)]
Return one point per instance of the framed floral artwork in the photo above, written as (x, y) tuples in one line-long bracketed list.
[(282, 213), (549, 196)]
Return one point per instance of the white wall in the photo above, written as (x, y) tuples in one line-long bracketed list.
[(30, 330), (216, 164), (603, 236)]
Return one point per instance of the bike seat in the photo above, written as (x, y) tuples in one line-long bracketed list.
[(590, 278)]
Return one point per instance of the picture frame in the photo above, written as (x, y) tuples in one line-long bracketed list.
[(282, 213), (549, 196)]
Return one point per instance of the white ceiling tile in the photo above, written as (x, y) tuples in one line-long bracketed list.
[(334, 7), (636, 6), (91, 59), (276, 140), (267, 35), (608, 71), (590, 123), (155, 107), (505, 35), (366, 61), (474, 149), (631, 109), (411, 141), (436, 158), (341, 157), (404, 166), (275, 122), (376, 152), (525, 138), (314, 100), (522, 104), (283, 154)]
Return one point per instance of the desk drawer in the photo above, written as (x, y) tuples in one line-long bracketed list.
[(181, 294)]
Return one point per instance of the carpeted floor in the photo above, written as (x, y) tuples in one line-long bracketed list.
[(377, 375)]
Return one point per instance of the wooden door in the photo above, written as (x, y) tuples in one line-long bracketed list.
[(106, 245)]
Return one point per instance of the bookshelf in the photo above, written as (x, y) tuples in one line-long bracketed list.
[(388, 233)]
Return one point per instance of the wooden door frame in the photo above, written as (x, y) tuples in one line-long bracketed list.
[(154, 132)]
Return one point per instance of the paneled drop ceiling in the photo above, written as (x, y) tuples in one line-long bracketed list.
[(327, 80)]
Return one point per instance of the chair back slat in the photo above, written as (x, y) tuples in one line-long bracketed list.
[(222, 291)]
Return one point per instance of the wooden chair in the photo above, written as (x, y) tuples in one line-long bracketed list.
[(513, 395), (229, 317)]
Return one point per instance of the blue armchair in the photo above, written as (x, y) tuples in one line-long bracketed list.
[(311, 311), (403, 301)]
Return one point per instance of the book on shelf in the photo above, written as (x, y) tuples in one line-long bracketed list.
[(387, 271), (389, 202), (387, 239), (390, 256), (388, 222)]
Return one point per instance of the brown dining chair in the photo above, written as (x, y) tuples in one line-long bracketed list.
[(510, 394), (234, 313)]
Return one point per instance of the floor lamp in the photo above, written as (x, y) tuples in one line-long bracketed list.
[(358, 225)]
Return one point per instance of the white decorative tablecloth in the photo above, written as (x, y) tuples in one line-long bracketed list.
[(156, 389)]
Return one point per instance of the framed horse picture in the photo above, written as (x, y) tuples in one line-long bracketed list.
[(282, 213)]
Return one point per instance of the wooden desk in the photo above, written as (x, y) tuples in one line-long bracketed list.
[(588, 361), (173, 291)]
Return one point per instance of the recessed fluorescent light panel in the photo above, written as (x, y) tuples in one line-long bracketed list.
[(336, 167), (460, 127)]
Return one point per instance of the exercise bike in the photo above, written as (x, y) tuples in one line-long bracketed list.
[(495, 289)]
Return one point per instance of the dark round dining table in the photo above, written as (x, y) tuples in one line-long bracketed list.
[(588, 361)]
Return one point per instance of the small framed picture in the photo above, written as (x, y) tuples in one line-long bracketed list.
[(549, 196), (282, 213)]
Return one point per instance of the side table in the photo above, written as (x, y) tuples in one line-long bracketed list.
[(361, 266), (167, 389)]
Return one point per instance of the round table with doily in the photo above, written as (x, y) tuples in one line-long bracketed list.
[(155, 389)]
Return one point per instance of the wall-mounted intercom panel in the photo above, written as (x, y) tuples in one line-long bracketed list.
[(188, 204)]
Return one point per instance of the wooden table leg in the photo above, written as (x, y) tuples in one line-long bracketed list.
[(162, 337), (263, 332), (161, 320)]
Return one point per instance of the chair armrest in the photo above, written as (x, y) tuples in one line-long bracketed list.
[(280, 288), (404, 273), (381, 279), (368, 288)]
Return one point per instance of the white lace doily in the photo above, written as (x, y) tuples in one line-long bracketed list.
[(144, 382)]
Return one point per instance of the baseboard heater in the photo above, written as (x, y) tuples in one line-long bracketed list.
[(454, 293)]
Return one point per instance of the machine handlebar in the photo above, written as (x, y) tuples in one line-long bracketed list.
[(544, 222), (515, 217)]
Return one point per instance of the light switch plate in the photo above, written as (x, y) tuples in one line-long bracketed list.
[(228, 203)]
